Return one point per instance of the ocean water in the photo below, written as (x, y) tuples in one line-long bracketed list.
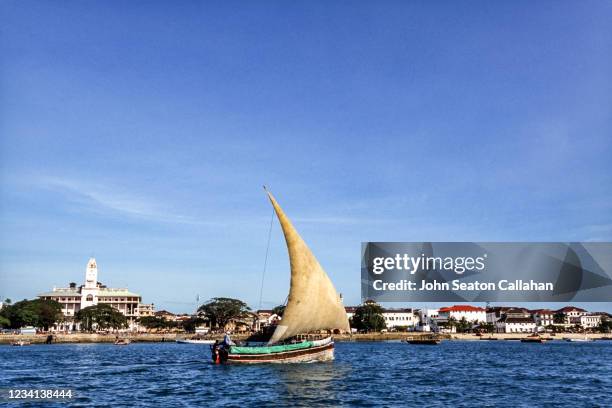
[(476, 373)]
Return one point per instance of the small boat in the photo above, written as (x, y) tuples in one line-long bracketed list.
[(533, 340), (578, 340), (313, 305), (300, 352), (122, 342), (195, 341), (20, 343), (489, 338), (428, 342)]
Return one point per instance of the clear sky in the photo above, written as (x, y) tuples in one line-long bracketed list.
[(141, 133)]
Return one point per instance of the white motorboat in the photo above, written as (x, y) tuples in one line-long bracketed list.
[(195, 341), (578, 339)]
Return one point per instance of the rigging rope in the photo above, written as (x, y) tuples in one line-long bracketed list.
[(263, 275)]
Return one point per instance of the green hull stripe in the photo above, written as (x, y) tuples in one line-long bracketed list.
[(270, 349)]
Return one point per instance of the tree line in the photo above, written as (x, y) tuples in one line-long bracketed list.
[(44, 314)]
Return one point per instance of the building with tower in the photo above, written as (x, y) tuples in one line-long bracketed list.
[(92, 292)]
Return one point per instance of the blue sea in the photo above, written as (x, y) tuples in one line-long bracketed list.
[(458, 373)]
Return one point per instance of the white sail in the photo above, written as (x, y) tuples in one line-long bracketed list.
[(313, 302)]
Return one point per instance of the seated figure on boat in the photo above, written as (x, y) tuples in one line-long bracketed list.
[(227, 340)]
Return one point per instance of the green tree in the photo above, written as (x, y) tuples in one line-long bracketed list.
[(101, 317), (4, 322), (463, 325), (279, 310), (488, 327), (220, 311), (559, 318), (38, 313), (605, 326), (49, 312), (368, 317), (156, 322)]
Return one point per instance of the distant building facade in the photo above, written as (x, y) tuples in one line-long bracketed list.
[(394, 318), (472, 314), (572, 314), (73, 298), (543, 317), (590, 320), (166, 315), (146, 309)]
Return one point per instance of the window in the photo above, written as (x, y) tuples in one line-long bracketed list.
[(89, 298)]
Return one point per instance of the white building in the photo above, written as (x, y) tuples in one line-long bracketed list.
[(265, 317), (427, 320), (146, 309), (543, 317), (400, 318), (75, 298), (572, 314), (590, 320), (509, 324), (394, 318), (470, 313)]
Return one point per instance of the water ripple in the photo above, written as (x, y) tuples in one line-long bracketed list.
[(388, 374)]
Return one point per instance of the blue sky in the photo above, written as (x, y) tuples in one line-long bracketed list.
[(141, 133)]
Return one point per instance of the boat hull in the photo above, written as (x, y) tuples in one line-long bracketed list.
[(425, 342), (312, 354)]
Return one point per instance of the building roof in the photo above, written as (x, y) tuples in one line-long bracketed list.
[(399, 310), (543, 311), (461, 308), (61, 292), (116, 292), (101, 292), (567, 309)]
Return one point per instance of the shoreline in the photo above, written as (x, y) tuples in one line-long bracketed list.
[(84, 338)]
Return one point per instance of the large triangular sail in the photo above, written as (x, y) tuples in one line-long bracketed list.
[(313, 302)]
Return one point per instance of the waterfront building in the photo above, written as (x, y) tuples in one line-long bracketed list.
[(470, 313), (427, 320), (515, 320), (515, 324), (350, 311), (145, 310), (543, 317), (265, 317), (496, 313), (166, 315), (589, 320), (572, 314), (400, 318), (92, 292), (394, 318)]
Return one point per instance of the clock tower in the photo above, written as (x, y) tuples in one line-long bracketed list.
[(91, 274)]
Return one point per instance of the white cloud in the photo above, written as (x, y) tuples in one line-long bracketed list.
[(98, 197)]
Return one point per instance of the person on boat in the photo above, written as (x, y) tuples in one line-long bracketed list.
[(227, 340)]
